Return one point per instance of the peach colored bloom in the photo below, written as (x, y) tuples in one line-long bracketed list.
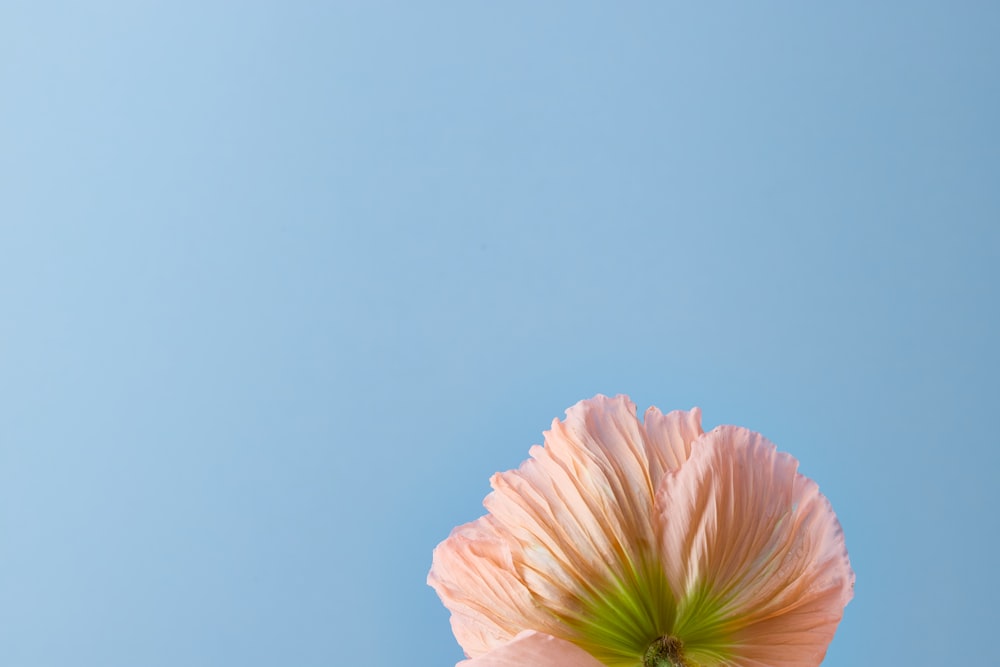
[(622, 543)]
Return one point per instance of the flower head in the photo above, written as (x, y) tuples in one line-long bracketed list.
[(622, 543)]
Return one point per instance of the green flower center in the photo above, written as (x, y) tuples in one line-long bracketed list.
[(664, 652), (636, 621)]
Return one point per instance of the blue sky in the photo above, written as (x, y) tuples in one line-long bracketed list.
[(282, 284)]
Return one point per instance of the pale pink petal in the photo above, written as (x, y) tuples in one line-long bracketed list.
[(475, 577), (668, 439), (753, 552), (533, 649), (585, 497), (573, 525)]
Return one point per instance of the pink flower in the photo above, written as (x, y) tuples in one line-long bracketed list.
[(622, 543)]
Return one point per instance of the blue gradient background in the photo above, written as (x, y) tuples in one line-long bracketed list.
[(282, 284)]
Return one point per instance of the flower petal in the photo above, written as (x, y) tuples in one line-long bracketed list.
[(474, 574), (756, 556), (668, 439), (533, 649), (572, 549)]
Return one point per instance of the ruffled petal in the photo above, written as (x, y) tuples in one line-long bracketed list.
[(573, 532), (533, 649), (755, 555), (668, 439), (474, 574)]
